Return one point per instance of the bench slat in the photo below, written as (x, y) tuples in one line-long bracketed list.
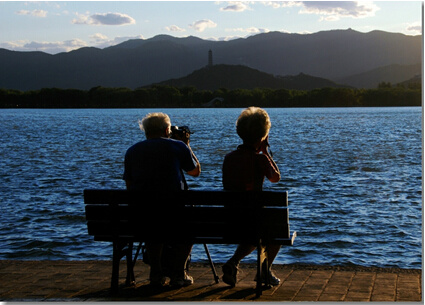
[(263, 198), (190, 230), (204, 221)]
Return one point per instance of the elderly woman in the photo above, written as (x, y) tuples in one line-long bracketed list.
[(245, 170)]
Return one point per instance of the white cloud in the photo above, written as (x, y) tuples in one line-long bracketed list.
[(56, 47), (330, 10), (104, 19), (102, 41), (35, 13), (117, 40), (174, 28), (235, 7), (13, 45), (225, 38), (279, 4), (250, 30), (112, 19), (99, 38), (81, 19), (334, 10), (415, 28), (201, 25), (285, 31), (305, 33), (47, 47)]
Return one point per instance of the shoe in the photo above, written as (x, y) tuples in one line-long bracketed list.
[(274, 280), (230, 271), (182, 281), (158, 280)]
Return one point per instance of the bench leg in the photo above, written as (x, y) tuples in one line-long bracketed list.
[(130, 280), (116, 257), (120, 249), (216, 278)]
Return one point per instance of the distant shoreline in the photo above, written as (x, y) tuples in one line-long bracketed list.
[(190, 97)]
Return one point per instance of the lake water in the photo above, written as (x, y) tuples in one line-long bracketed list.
[(354, 178)]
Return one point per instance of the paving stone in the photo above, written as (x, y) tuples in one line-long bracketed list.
[(90, 281), (331, 297)]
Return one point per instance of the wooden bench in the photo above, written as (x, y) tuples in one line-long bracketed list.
[(209, 217)]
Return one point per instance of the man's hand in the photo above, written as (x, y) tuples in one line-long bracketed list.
[(184, 138)]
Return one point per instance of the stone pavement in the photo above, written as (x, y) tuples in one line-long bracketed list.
[(90, 281)]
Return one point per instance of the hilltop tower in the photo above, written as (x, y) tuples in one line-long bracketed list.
[(210, 59)]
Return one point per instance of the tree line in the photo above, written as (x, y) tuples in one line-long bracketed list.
[(190, 97)]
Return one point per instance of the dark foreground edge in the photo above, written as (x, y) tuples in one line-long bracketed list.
[(90, 281)]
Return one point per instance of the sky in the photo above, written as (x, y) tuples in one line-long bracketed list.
[(63, 26)]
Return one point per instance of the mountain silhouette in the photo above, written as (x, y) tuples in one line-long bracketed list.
[(241, 77), (392, 74), (335, 55)]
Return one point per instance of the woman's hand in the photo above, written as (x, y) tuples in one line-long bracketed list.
[(264, 145)]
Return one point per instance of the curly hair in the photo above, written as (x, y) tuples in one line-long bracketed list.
[(155, 123), (253, 125)]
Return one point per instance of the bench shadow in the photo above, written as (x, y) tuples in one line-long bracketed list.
[(101, 294), (124, 291), (146, 291), (241, 294), (211, 292)]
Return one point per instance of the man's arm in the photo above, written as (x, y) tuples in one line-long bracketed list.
[(197, 170)]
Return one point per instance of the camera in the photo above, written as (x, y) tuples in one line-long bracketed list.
[(180, 132)]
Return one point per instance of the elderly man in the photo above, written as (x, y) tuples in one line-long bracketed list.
[(157, 163)]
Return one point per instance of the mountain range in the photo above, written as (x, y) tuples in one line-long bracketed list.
[(345, 57)]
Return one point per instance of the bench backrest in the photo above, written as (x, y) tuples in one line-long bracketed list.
[(188, 216)]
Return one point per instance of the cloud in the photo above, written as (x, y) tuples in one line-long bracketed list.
[(330, 10), (415, 28), (279, 4), (56, 47), (35, 13), (235, 7), (334, 10), (174, 28), (225, 38), (201, 25), (99, 38), (81, 19), (112, 19), (47, 47), (104, 19), (250, 30), (118, 40), (102, 41), (12, 45)]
